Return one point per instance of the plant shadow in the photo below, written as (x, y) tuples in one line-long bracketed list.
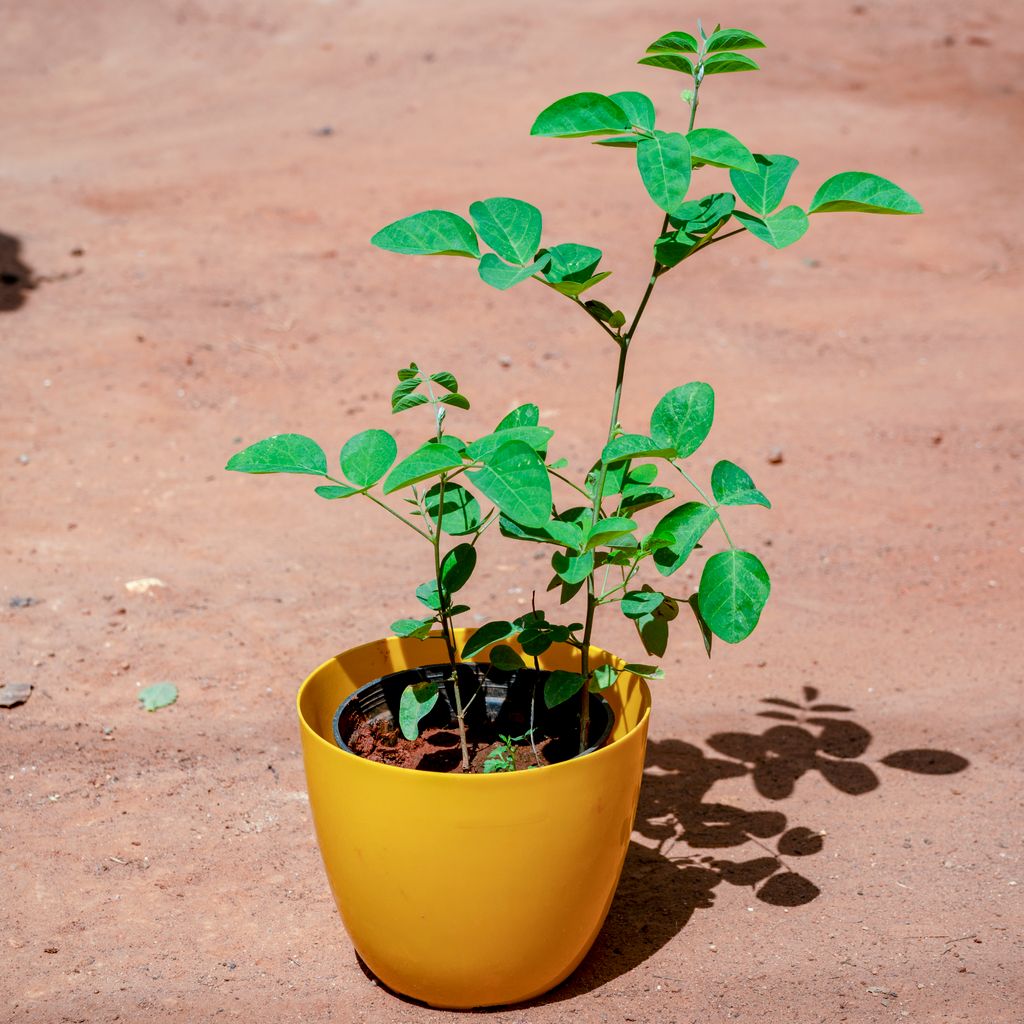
[(675, 865)]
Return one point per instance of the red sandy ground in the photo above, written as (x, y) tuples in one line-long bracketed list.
[(162, 866)]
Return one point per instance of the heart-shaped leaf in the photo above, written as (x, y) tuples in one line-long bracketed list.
[(560, 686), (417, 702), (504, 276), (638, 107), (763, 189), (487, 634), (460, 513), (510, 227), (724, 63), (732, 39), (679, 532), (635, 446)]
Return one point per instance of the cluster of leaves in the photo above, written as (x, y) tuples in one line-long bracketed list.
[(509, 468)]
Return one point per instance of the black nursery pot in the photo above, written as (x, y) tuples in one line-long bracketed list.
[(503, 709)]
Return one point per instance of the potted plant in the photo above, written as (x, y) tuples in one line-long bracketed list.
[(424, 864)]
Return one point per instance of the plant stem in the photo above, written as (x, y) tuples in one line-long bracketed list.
[(400, 518), (448, 631)]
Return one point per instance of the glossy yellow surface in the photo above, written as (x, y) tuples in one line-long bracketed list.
[(470, 890)]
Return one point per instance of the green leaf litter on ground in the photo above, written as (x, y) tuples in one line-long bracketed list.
[(157, 696)]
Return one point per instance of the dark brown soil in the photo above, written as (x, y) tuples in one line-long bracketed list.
[(438, 749)]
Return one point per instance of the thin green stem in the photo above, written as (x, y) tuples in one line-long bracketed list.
[(566, 480), (708, 501), (399, 517)]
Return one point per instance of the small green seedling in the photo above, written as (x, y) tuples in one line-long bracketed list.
[(591, 516), (503, 757)]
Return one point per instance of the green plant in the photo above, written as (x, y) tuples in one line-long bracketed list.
[(591, 520), (503, 757)]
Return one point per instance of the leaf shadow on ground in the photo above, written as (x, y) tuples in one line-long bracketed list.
[(675, 865)]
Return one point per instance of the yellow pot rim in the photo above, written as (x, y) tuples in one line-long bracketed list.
[(457, 778)]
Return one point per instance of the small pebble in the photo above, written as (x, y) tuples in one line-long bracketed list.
[(505, 361), (775, 456), (24, 460)]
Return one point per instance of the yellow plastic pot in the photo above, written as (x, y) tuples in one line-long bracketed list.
[(470, 890)]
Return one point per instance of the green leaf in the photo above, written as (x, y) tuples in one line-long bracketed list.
[(635, 446), (431, 233), (517, 481), (780, 229), (576, 288), (583, 113), (571, 261), (674, 42), (680, 531), (763, 190), (282, 453), (159, 695), (572, 568), (653, 627), (523, 416), (636, 603), (714, 146), (634, 501), (430, 459), (723, 63), (504, 276), (458, 401), (602, 677), (638, 107), (408, 402), (561, 686), (446, 380), (683, 417), (860, 192), (536, 437), (705, 629), (510, 227), (564, 534), (487, 634), (604, 313), (451, 441), (644, 671), (505, 659), (734, 587), (697, 217), (366, 457), (732, 39), (416, 703), (606, 530), (733, 486), (664, 163), (461, 512), (418, 629), (332, 492), (428, 594), (619, 141), (408, 374), (669, 61), (457, 567)]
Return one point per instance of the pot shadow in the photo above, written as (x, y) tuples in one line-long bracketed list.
[(16, 277), (674, 865)]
